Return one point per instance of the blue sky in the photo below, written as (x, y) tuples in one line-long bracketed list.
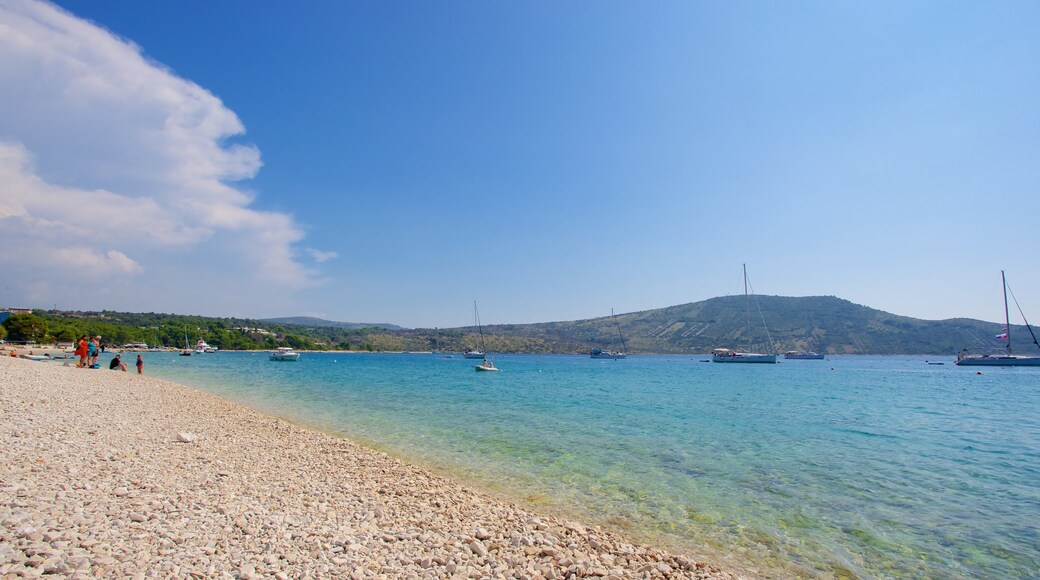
[(394, 161)]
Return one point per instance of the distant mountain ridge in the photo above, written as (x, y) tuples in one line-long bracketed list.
[(824, 324), (313, 322)]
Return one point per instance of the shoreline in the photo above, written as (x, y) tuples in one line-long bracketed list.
[(110, 473)]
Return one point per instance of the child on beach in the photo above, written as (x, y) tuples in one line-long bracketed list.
[(140, 365)]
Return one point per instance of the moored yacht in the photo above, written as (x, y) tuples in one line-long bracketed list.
[(1007, 359), (203, 347), (285, 353), (725, 355)]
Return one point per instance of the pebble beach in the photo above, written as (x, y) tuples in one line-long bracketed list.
[(111, 474)]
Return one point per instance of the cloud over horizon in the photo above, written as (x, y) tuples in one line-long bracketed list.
[(117, 179)]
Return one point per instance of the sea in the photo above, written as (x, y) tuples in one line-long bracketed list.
[(849, 467)]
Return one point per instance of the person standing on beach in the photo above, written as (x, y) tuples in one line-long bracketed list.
[(140, 365), (92, 352), (81, 351)]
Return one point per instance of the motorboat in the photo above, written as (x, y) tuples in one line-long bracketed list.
[(201, 346), (285, 353)]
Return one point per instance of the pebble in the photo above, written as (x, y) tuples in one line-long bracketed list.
[(91, 486)]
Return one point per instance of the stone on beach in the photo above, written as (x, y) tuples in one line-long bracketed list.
[(91, 486)]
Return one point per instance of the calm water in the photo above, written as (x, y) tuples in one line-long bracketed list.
[(850, 467)]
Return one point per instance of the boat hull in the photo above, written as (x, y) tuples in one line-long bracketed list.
[(745, 358), (803, 356), (999, 361), (484, 369), (610, 355), (473, 355)]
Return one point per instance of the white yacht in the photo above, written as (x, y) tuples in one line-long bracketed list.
[(285, 353), (203, 347)]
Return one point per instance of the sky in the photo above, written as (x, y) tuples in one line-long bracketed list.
[(397, 161)]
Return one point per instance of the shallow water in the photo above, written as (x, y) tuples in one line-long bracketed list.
[(848, 467)]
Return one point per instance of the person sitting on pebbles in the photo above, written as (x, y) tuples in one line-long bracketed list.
[(117, 364)]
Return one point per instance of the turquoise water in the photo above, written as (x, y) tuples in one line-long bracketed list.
[(849, 467)]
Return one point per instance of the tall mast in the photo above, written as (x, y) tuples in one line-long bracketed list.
[(476, 319), (1007, 320), (623, 347), (747, 310)]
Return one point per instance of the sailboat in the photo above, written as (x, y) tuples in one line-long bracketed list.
[(600, 353), (487, 365), (725, 355), (187, 347), (1008, 359), (475, 353)]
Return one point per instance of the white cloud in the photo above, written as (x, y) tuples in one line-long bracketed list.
[(321, 257), (112, 165)]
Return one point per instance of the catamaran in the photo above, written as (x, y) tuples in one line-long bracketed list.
[(1008, 359), (725, 355)]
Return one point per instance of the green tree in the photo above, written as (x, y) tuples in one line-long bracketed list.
[(26, 327), (3, 332)]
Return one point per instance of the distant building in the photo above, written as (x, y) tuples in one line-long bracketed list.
[(7, 312)]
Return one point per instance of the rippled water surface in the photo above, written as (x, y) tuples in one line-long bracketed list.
[(848, 467)]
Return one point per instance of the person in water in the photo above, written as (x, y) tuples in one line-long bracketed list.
[(117, 364)]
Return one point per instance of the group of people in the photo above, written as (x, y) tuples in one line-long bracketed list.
[(88, 350)]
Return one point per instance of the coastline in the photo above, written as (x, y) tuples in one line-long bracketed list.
[(109, 473)]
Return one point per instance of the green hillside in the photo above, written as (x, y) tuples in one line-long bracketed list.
[(824, 324)]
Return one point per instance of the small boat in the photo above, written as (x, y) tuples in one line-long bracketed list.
[(285, 353), (725, 355), (801, 355), (616, 354), (486, 367), (1002, 360)]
